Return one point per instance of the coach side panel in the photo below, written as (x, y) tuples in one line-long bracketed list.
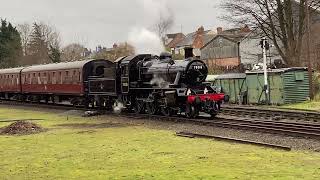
[(67, 81), (10, 83)]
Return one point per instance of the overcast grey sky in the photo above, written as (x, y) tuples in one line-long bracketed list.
[(93, 22)]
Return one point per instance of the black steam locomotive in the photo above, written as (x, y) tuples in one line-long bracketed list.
[(153, 84)]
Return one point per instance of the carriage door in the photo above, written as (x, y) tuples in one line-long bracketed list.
[(124, 79)]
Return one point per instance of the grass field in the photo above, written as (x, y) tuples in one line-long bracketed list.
[(82, 148), (308, 105)]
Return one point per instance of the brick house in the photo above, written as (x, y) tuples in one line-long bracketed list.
[(195, 40), (224, 48), (171, 41)]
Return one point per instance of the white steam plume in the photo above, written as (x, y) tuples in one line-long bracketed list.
[(145, 41), (117, 107), (155, 8), (142, 38), (160, 82)]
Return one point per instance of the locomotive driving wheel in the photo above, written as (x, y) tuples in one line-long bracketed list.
[(214, 114), (151, 108), (138, 107), (166, 111), (191, 111)]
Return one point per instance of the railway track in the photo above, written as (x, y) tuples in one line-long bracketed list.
[(271, 113), (306, 130), (297, 129), (242, 141)]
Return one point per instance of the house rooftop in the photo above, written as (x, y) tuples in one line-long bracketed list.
[(189, 39)]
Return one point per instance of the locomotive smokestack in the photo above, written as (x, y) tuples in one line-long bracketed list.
[(165, 56), (188, 52)]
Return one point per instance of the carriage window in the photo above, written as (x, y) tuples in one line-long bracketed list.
[(66, 79), (53, 78), (33, 79), (49, 79), (44, 79), (39, 78), (74, 77), (60, 78)]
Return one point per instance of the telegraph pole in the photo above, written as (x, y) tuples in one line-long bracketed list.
[(265, 47), (310, 73)]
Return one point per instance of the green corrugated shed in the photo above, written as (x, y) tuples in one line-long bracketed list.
[(287, 85), (233, 85)]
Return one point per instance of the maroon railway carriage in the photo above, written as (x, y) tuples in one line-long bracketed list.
[(10, 84), (61, 81)]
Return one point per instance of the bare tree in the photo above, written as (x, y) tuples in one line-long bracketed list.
[(282, 21), (51, 35), (123, 49), (43, 45), (25, 31), (73, 52), (164, 24)]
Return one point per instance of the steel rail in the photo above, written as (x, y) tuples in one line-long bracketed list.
[(242, 141)]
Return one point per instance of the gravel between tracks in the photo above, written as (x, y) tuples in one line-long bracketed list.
[(297, 143)]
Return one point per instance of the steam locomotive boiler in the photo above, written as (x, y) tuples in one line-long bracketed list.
[(154, 84)]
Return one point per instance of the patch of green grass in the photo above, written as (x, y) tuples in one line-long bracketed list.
[(135, 152), (308, 105)]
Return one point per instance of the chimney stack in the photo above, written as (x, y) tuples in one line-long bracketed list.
[(200, 30), (219, 30)]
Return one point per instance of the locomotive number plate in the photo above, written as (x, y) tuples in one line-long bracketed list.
[(197, 67)]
